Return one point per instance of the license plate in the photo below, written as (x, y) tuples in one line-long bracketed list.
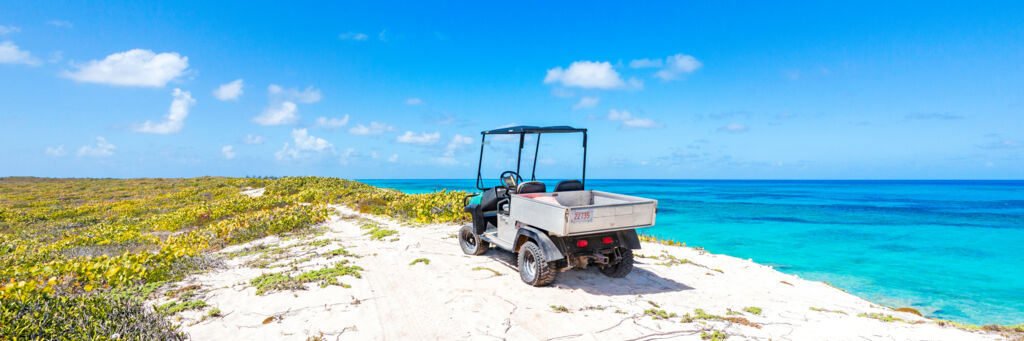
[(582, 216)]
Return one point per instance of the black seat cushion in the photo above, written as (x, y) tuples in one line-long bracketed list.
[(531, 187), (569, 185), (489, 200)]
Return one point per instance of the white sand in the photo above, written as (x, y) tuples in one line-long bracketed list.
[(447, 299)]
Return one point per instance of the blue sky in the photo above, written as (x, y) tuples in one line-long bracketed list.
[(929, 90)]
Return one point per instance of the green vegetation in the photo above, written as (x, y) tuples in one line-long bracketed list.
[(714, 335), (420, 260), (377, 232), (79, 256), (174, 307), (882, 317), (753, 310), (280, 281), (481, 268), (560, 309), (658, 314), (828, 311)]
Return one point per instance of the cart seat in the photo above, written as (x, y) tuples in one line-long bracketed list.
[(531, 187), (569, 185)]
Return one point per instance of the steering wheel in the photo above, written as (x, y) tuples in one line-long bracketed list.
[(510, 179)]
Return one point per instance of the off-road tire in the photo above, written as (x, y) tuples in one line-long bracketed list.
[(471, 243), (534, 268), (623, 267)]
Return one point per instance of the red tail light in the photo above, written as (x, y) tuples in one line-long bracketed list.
[(607, 240), (581, 243)]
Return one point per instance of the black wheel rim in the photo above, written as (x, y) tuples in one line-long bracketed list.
[(468, 239)]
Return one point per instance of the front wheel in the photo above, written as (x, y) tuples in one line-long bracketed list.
[(622, 268), (471, 243), (534, 268)]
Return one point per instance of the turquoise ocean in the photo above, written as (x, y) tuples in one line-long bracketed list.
[(951, 249)]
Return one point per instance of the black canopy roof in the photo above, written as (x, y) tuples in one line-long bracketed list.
[(534, 130)]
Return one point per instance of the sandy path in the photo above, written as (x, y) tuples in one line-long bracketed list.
[(447, 299)]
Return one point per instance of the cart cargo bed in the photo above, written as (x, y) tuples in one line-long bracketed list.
[(582, 212)]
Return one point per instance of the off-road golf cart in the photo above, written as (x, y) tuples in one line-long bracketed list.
[(567, 228)]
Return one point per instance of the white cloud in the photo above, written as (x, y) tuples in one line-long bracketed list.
[(375, 128), (586, 102), (11, 54), (331, 122), (393, 158), (305, 145), (175, 115), (101, 149), (457, 143), (136, 67), (628, 121), (414, 101), (645, 63), (349, 154), (281, 114), (9, 29), (421, 138), (677, 65), (733, 128), (308, 95), (228, 151), (229, 91), (382, 36), (253, 139), (57, 151), (357, 36), (586, 74), (61, 23)]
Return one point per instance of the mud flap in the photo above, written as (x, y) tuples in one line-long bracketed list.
[(551, 252)]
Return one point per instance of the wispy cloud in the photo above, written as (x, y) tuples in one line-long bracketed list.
[(628, 121), (229, 91), (253, 139), (12, 54), (586, 102), (228, 152), (421, 138), (279, 114), (331, 122), (374, 128), (55, 151), (458, 142), (733, 128), (61, 23), (307, 95), (678, 65), (9, 29), (102, 148), (282, 109), (175, 119), (645, 63), (414, 101), (354, 36), (136, 67)]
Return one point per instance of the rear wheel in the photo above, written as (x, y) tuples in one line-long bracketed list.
[(471, 243), (623, 267), (534, 268)]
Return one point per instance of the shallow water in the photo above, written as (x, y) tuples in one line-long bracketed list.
[(951, 249)]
